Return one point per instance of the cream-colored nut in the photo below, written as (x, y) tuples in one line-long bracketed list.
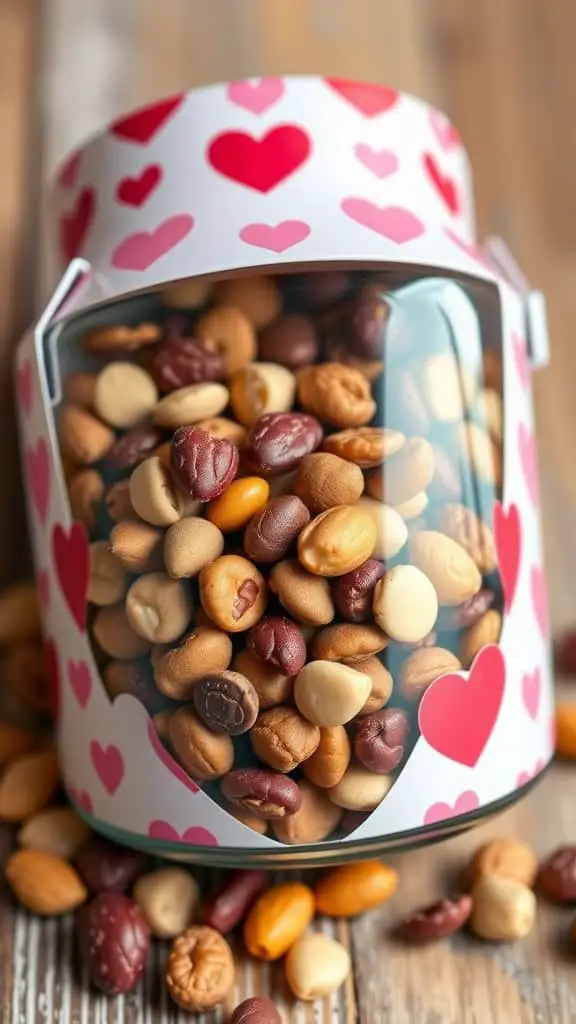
[(330, 759), (382, 683), (414, 507), (325, 480), (154, 495), (260, 388), (190, 405), (481, 452), (85, 492), (406, 473), (176, 669), (405, 604), (107, 582), (222, 427), (231, 333), (391, 530), (124, 394), (190, 545), (337, 541), (422, 667), (306, 597), (490, 407), (484, 631), (118, 502), (359, 789), (447, 565), (158, 607), (137, 547), (78, 389), (114, 634), (502, 909), (82, 436), (189, 293), (56, 830), (447, 388), (466, 528), (328, 693), (168, 899), (316, 965), (315, 820), (259, 298), (508, 858)]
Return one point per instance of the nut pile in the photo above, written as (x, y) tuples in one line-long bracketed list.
[(290, 542)]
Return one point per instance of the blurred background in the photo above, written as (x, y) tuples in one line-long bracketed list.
[(504, 70)]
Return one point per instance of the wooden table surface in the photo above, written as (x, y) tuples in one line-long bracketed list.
[(504, 70)]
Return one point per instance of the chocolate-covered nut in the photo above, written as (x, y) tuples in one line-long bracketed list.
[(369, 321), (105, 866), (226, 702), (303, 595), (277, 442), (337, 394), (353, 592), (133, 446), (325, 480), (348, 642), (159, 608), (461, 616), (267, 795), (203, 753), (271, 532), (203, 465), (291, 341), (177, 669), (436, 921), (114, 939), (380, 739), (280, 641), (283, 739), (315, 820), (233, 593), (272, 685), (256, 1010), (135, 678), (181, 361), (137, 547)]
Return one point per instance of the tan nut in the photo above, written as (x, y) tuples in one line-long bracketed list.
[(189, 293), (331, 758), (317, 964), (485, 631), (231, 333), (108, 581), (337, 541), (271, 684), (326, 480), (447, 564), (168, 898), (422, 667), (508, 858), (137, 547), (464, 526), (315, 820), (348, 641), (233, 593), (502, 909), (85, 492), (405, 604), (118, 502), (200, 969), (260, 388), (204, 754), (382, 683), (56, 830), (78, 389), (359, 789), (282, 738), (367, 447), (190, 405), (83, 437), (124, 394), (305, 596), (328, 693), (406, 473), (259, 298), (190, 545), (337, 394), (154, 495), (114, 634), (176, 669), (481, 452), (159, 608), (391, 530)]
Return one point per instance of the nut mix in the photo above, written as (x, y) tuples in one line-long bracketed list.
[(246, 474)]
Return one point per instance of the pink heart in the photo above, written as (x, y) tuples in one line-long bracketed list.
[(80, 680), (108, 764), (81, 797), (508, 536), (521, 358), (382, 162), (467, 801), (284, 235), (141, 250), (43, 588), (392, 222), (468, 248), (529, 774), (531, 687), (539, 599), (528, 461), (256, 96), (38, 475), (445, 133), (193, 836), (522, 779), (168, 761), (24, 386)]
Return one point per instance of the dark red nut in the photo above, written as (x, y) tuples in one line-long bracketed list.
[(437, 921), (352, 592), (181, 361), (380, 738), (267, 795), (104, 866), (114, 938), (291, 341), (256, 1010), (279, 641), (324, 287), (133, 446), (233, 900), (203, 465), (463, 615), (278, 441), (565, 653), (226, 702), (369, 321), (557, 875), (271, 533)]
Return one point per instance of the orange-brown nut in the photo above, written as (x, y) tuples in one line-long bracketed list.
[(508, 858), (239, 502), (122, 337), (315, 820), (177, 669), (331, 758), (326, 480), (78, 389), (355, 888), (337, 541), (220, 426), (233, 593), (566, 730), (82, 436), (278, 918), (14, 741), (19, 613), (44, 883), (231, 333), (260, 388), (114, 634), (337, 394), (492, 360), (28, 784), (23, 673), (464, 526), (340, 352), (348, 642), (200, 969), (305, 596), (422, 667), (161, 721), (365, 446), (282, 738), (189, 293), (405, 474), (85, 492), (202, 753), (382, 683), (258, 298), (272, 685), (485, 631), (137, 546)]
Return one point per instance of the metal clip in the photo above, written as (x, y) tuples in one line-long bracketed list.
[(537, 338)]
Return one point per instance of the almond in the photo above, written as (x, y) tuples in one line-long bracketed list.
[(28, 784), (14, 741), (56, 830), (448, 565), (44, 883)]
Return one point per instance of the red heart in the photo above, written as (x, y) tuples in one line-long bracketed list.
[(508, 537), (69, 172), (457, 713), (263, 163), (53, 676), (140, 250), (108, 764), (444, 185), (143, 125), (135, 191), (74, 225), (80, 680), (71, 560), (368, 99), (37, 461)]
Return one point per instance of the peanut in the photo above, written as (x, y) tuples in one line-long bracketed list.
[(278, 919), (355, 888)]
